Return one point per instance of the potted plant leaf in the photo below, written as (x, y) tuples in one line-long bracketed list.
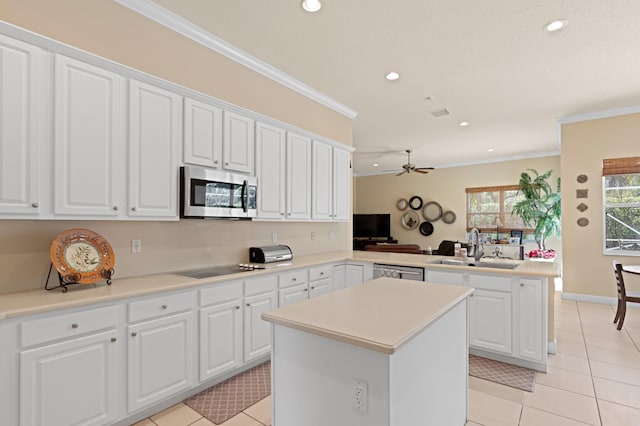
[(540, 208)]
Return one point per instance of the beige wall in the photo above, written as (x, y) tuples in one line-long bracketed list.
[(584, 145), (378, 194), (109, 30)]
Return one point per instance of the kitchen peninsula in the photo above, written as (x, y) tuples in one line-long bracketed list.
[(384, 353)]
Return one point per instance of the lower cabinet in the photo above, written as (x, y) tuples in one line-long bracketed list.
[(70, 383), (490, 320), (259, 296), (532, 319)]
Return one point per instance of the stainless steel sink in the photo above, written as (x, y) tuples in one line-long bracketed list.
[(480, 264)]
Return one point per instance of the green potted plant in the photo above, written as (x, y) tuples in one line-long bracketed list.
[(540, 208)]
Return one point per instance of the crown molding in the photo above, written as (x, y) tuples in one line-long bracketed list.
[(165, 17), (599, 114)]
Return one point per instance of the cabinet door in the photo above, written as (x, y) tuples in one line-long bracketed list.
[(341, 184), (238, 143), (532, 317), (257, 337), (298, 177), (444, 277), (354, 274), (316, 288), (21, 77), (154, 138), (271, 171), (293, 294), (202, 134), (490, 320), (88, 139), (339, 277), (322, 191), (70, 383), (161, 357), (220, 338)]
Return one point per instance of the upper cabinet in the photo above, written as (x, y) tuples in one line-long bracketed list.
[(202, 134), (238, 143), (154, 140), (298, 177), (331, 183), (271, 171), (89, 137), (21, 79)]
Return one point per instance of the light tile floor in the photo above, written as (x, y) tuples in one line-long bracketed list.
[(594, 379)]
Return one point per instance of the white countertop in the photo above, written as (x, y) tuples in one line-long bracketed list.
[(37, 301), (380, 315)]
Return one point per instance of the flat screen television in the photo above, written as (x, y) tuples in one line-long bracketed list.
[(372, 225)]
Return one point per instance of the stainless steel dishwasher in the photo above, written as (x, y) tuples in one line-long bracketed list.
[(394, 271)]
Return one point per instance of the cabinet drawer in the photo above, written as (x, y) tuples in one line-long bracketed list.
[(221, 292), (288, 279), (260, 285), (69, 325), (320, 272), (490, 282), (161, 305)]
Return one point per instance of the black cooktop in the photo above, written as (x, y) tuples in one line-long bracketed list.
[(214, 271)]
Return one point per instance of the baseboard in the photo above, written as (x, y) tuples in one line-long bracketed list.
[(590, 298)]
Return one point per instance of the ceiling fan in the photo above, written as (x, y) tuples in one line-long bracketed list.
[(408, 168)]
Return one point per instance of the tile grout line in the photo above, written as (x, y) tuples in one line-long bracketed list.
[(595, 394)]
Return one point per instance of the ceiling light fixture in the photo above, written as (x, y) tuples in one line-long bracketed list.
[(392, 76), (490, 150), (375, 164), (311, 5), (463, 123), (556, 25)]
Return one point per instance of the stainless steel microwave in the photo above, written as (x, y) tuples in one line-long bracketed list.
[(207, 193)]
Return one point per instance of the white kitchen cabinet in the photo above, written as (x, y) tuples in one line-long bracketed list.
[(283, 168), (22, 84), (238, 144), (532, 316), (202, 134), (331, 183), (303, 284), (89, 137), (161, 348), (155, 130), (259, 296), (339, 277), (444, 277), (354, 275), (271, 171), (220, 329), (297, 293), (70, 383), (490, 320)]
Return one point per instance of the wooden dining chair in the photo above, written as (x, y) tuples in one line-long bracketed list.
[(623, 295)]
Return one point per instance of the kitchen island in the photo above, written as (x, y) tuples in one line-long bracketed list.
[(387, 352)]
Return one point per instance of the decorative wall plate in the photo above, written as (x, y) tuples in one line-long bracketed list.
[(448, 217), (82, 256), (432, 211), (415, 202), (426, 228), (582, 207), (582, 178), (402, 204), (410, 220), (582, 193), (583, 221)]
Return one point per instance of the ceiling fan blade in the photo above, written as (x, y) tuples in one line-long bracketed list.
[(424, 172), (401, 173), (427, 169)]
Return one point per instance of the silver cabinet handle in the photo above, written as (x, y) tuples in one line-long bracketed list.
[(134, 209), (237, 307), (215, 162), (293, 279), (249, 304), (313, 288), (113, 340), (35, 205), (521, 284), (115, 208), (281, 214), (134, 334), (321, 273), (74, 325), (226, 164), (164, 306), (306, 289)]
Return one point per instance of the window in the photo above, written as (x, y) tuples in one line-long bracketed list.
[(621, 189), (486, 204)]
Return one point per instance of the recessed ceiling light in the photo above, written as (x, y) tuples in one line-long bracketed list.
[(463, 123), (375, 164), (556, 25), (392, 76), (311, 5), (490, 150)]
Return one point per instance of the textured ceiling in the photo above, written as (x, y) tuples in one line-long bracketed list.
[(487, 62)]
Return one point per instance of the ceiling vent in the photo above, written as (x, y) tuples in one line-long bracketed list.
[(440, 112)]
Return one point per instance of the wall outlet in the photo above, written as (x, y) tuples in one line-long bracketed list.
[(274, 238), (360, 395), (136, 246), (313, 235)]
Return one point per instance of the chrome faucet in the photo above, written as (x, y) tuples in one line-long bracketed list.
[(476, 245)]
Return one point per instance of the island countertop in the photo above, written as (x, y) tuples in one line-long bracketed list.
[(380, 315)]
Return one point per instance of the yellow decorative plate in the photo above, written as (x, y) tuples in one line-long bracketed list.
[(82, 256)]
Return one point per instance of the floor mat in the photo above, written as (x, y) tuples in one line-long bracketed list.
[(500, 372), (226, 399)]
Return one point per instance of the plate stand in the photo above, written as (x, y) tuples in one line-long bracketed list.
[(67, 280)]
